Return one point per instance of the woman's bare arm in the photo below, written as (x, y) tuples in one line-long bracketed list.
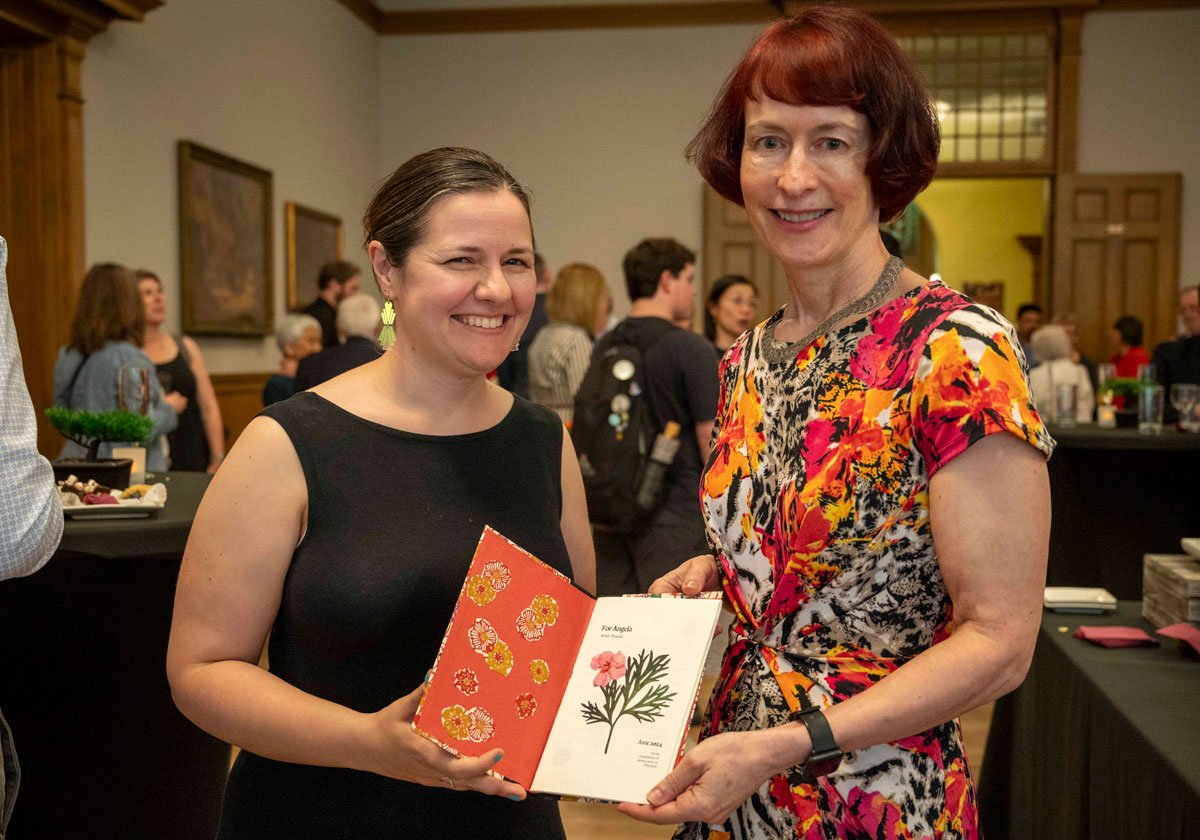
[(990, 514)]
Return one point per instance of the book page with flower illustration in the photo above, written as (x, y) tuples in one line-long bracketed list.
[(628, 703), (505, 659)]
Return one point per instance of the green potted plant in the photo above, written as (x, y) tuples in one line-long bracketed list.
[(90, 429), (1124, 391)]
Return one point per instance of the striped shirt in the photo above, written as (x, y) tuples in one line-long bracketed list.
[(558, 359)]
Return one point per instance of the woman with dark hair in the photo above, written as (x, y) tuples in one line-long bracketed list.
[(729, 310), (1131, 355), (106, 336), (876, 496), (198, 443), (342, 524)]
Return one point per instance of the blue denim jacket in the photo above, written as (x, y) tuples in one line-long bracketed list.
[(95, 389)]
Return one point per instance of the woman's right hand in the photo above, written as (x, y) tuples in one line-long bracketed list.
[(400, 753), (176, 400), (692, 577)]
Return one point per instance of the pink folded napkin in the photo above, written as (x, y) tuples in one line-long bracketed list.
[(1185, 632), (1115, 637)]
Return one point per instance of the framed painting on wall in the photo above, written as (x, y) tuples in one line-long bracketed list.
[(989, 293), (312, 238), (225, 261)]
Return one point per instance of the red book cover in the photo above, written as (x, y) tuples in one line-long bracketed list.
[(505, 659)]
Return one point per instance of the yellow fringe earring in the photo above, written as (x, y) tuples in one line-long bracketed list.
[(387, 336)]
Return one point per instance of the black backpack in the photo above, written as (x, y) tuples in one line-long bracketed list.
[(612, 431)]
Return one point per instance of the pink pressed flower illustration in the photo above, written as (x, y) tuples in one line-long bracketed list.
[(637, 697), (609, 666)]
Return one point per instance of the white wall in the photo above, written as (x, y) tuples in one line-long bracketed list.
[(1138, 107), (287, 85), (593, 122)]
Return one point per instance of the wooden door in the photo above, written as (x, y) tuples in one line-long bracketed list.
[(730, 247), (1116, 252)]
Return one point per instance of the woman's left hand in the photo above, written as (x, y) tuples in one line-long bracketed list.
[(719, 774)]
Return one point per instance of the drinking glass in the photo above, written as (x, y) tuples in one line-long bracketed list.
[(1106, 373), (1147, 375), (1150, 409), (1184, 396), (1065, 396), (133, 389)]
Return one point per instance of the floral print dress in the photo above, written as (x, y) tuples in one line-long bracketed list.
[(816, 495)]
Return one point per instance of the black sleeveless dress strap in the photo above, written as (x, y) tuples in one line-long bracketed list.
[(393, 520), (189, 444)]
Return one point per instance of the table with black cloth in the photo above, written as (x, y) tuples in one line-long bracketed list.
[(1097, 742), (1116, 495), (104, 753)]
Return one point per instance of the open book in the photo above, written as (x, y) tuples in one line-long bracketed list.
[(587, 697)]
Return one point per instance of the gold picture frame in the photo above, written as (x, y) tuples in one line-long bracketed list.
[(226, 266), (312, 239)]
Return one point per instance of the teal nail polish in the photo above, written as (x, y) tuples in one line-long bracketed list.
[(497, 758), (428, 676), (514, 797)]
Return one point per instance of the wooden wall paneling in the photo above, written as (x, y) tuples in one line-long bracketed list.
[(240, 398), (43, 229), (731, 247), (1116, 252), (1065, 107)]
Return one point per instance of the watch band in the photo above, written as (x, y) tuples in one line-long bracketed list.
[(826, 755)]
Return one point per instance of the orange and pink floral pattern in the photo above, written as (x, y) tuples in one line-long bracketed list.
[(466, 681), (479, 727), (526, 705), (816, 496)]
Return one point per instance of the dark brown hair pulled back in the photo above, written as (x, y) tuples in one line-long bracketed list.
[(398, 213)]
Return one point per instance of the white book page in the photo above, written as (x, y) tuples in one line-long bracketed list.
[(619, 756)]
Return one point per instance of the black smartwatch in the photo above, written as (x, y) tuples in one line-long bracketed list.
[(826, 755)]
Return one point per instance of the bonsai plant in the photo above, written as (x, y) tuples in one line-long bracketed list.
[(90, 429)]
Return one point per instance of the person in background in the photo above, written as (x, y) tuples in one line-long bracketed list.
[(1178, 360), (357, 322), (513, 372), (1052, 352), (578, 306), (679, 373), (336, 281), (1068, 323), (344, 521), (1131, 356), (298, 336), (31, 518), (198, 442), (1029, 318), (106, 335), (729, 310), (876, 496)]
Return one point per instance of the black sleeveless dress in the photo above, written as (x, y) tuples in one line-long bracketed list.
[(189, 444), (393, 520)]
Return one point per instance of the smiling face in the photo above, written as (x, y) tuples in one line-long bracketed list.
[(804, 183), (153, 302), (734, 310), (465, 291)]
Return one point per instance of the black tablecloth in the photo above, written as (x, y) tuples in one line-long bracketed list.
[(104, 752), (1097, 743), (1117, 494)]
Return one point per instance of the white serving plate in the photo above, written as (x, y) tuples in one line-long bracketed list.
[(126, 511), (1079, 599)]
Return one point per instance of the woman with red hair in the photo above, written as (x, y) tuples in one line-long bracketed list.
[(876, 496)]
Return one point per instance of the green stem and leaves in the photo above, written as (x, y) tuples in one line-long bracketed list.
[(90, 429), (635, 695)]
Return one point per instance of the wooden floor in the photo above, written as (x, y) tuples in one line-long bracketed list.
[(584, 821)]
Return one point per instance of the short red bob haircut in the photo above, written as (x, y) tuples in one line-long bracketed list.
[(829, 56)]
